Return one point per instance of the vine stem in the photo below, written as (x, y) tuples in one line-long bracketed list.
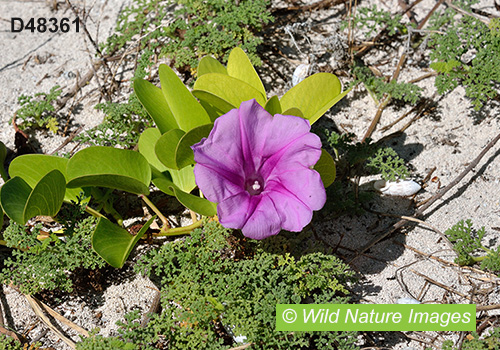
[(177, 231), (395, 76), (155, 209), (93, 212)]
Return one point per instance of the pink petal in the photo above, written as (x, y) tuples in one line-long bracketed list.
[(283, 130), (255, 124), (234, 211), (294, 214), (256, 216), (216, 183), (222, 148), (264, 220), (302, 152), (305, 184)]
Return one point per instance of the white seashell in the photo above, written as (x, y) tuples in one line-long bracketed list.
[(407, 301), (300, 73), (397, 188)]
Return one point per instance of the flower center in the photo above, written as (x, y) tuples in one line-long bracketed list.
[(254, 185)]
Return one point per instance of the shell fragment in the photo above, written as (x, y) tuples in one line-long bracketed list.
[(397, 188)]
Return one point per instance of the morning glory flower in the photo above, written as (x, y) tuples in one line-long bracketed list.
[(257, 168)]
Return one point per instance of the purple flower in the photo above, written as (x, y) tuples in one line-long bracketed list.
[(258, 169)]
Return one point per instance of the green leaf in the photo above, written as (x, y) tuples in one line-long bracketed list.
[(326, 168), (212, 111), (273, 105), (3, 155), (113, 243), (154, 101), (199, 205), (184, 155), (32, 167), (47, 196), (240, 67), (313, 96), (218, 104), (232, 90), (184, 178), (20, 202), (14, 194), (187, 111), (294, 111), (146, 146), (110, 167), (210, 65), (166, 146)]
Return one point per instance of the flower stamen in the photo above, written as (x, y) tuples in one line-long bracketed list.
[(254, 186)]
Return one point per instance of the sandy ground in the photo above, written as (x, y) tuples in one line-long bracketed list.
[(397, 267)]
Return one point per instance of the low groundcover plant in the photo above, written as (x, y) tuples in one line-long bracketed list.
[(264, 182)]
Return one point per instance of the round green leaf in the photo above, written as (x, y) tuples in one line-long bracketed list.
[(47, 196), (218, 104), (313, 96), (210, 65), (240, 67), (166, 146), (199, 205), (326, 168), (273, 105), (187, 111), (146, 146), (14, 194), (114, 243), (228, 88), (110, 167), (294, 111), (184, 178), (32, 167), (184, 155), (154, 101), (20, 202)]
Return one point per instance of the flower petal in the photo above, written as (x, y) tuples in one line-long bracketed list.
[(255, 124), (216, 183), (222, 148), (264, 221), (294, 214), (303, 183), (283, 130), (302, 152), (256, 216), (234, 211)]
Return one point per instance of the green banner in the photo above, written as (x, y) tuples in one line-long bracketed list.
[(376, 317)]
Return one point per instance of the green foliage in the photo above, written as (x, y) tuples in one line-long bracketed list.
[(99, 342), (21, 202), (467, 54), (490, 342), (122, 125), (466, 241), (378, 87), (215, 285), (373, 20), (213, 27), (387, 162), (376, 159), (198, 28), (38, 110), (8, 343), (45, 264)]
